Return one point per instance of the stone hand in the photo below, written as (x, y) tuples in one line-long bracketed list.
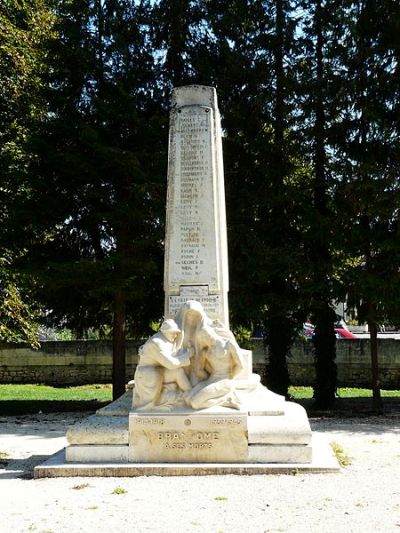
[(185, 356)]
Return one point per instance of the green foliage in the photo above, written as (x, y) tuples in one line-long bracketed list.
[(299, 393), (24, 29), (55, 334), (368, 167), (119, 490), (340, 454), (243, 336), (101, 232), (17, 320)]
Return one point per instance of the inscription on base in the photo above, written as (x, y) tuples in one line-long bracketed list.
[(187, 438), (211, 304)]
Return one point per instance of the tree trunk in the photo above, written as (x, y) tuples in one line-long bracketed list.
[(119, 350), (278, 340), (325, 354), (376, 391), (323, 315), (277, 327)]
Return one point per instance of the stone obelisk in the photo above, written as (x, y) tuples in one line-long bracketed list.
[(196, 258)]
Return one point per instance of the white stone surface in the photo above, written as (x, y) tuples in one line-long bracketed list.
[(259, 400), (99, 430), (196, 260), (96, 454), (279, 453), (361, 497), (119, 407), (292, 428), (247, 370), (160, 377), (188, 438)]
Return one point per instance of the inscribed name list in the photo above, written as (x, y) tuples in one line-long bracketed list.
[(192, 234)]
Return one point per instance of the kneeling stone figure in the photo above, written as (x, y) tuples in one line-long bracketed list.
[(161, 362)]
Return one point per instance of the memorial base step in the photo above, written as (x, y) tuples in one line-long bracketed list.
[(323, 462), (263, 453)]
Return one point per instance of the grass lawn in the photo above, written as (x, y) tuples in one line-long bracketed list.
[(44, 392), (299, 393), (30, 399)]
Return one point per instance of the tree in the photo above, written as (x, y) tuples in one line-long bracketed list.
[(95, 248), (176, 26), (242, 53), (322, 23), (369, 190), (24, 29), (279, 221), (230, 57)]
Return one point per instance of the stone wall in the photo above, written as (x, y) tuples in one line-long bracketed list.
[(353, 361), (62, 363), (82, 362)]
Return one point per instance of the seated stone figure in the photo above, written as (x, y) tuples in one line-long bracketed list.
[(196, 326), (161, 360), (220, 360)]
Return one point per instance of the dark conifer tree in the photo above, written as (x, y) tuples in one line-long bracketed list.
[(369, 166), (279, 222), (96, 245), (322, 48), (231, 58), (250, 48)]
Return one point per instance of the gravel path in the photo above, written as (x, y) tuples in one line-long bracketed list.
[(363, 497)]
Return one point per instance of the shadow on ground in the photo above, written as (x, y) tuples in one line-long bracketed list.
[(28, 407), (353, 407), (343, 408), (373, 427), (20, 468)]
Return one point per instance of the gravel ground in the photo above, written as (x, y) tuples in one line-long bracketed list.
[(363, 497)]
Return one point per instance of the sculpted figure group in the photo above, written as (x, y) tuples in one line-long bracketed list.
[(190, 361)]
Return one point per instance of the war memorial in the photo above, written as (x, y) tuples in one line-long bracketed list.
[(194, 406)]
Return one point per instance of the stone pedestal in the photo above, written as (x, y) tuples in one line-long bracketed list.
[(281, 434)]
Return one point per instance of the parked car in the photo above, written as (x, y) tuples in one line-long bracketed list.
[(339, 332)]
